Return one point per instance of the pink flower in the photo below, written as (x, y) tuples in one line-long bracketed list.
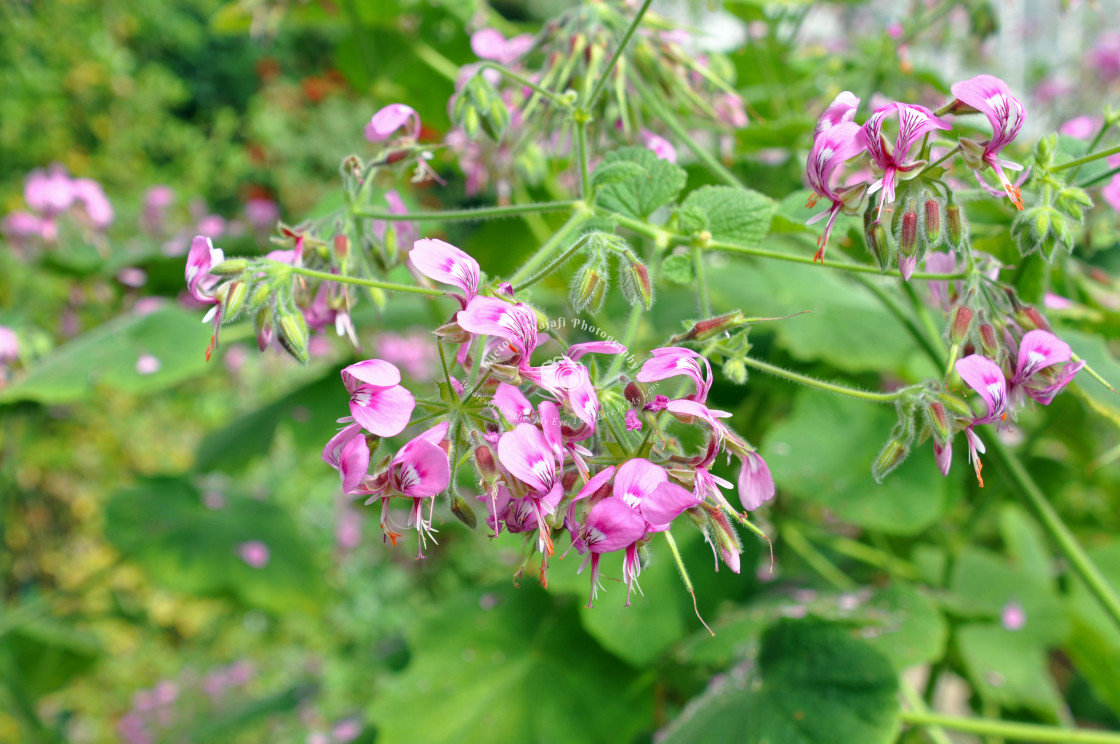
[(414, 353), (730, 110), (50, 192), (487, 43), (377, 400), (255, 553), (674, 361), (147, 365), (388, 120), (990, 96), (348, 453), (447, 264), (1080, 127), (530, 458), (1012, 617), (658, 145), (97, 205), (612, 525), (986, 378), (842, 109), (913, 123), (9, 345), (156, 201), (203, 285), (515, 323), (262, 213), (419, 471), (511, 403), (1035, 376), (756, 485), (834, 145)]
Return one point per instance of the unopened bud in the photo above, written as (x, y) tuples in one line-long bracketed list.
[(484, 461), (291, 332), (636, 286), (962, 321), (933, 221), (938, 420), (452, 333), (908, 234), (890, 457), (260, 297), (265, 330), (723, 537), (955, 405), (1031, 319), (634, 394), (471, 122), (234, 299), (879, 244), (955, 221), (463, 511), (735, 369), (232, 267), (341, 246), (705, 329), (988, 341), (589, 288)]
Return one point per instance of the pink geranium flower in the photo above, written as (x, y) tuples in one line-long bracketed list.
[(913, 123), (388, 120), (674, 361), (990, 96), (203, 285), (837, 140), (377, 400), (447, 264)]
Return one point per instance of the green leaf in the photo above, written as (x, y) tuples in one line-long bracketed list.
[(163, 525), (48, 654), (108, 355), (1095, 351), (1009, 669), (823, 453), (617, 172), (639, 197), (813, 684), (845, 326), (678, 269), (1025, 543), (1094, 643), (734, 215), (478, 665)]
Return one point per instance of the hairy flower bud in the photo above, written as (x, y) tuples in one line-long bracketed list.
[(589, 287), (452, 333), (879, 243), (933, 222), (735, 369), (265, 331), (890, 457), (260, 297), (463, 511), (1031, 319), (962, 321), (989, 343), (705, 329), (635, 396), (230, 267), (484, 462), (722, 536), (954, 404), (235, 294), (291, 332), (908, 241), (938, 419), (636, 286), (956, 225)]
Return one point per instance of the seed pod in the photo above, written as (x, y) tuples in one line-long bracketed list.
[(890, 457), (705, 329)]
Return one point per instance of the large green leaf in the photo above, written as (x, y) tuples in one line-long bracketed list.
[(1094, 643), (1009, 668), (108, 355), (823, 453), (813, 684), (509, 665), (734, 215), (638, 197), (48, 654), (1095, 351), (844, 324), (165, 526)]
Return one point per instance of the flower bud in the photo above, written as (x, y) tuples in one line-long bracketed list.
[(589, 288), (933, 221), (234, 299), (265, 330), (956, 225), (463, 511), (735, 369), (955, 405), (635, 396), (962, 321), (879, 244), (452, 333), (231, 267), (723, 537), (908, 234), (938, 420), (705, 329), (484, 462), (636, 286), (471, 122), (890, 457), (988, 341), (291, 332), (260, 297), (1031, 319), (341, 246)]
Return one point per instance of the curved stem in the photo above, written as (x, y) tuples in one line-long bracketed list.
[(358, 281), (523, 81), (1079, 561), (1097, 179), (701, 282), (581, 148), (482, 213), (1010, 730), (545, 251), (912, 328), (720, 245), (1086, 159), (606, 74), (429, 56), (552, 266), (627, 339), (821, 384)]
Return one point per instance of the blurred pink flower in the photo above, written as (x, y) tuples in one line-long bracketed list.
[(1080, 127), (414, 353), (1012, 617), (255, 553)]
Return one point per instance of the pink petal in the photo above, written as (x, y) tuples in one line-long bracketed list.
[(944, 456), (986, 378), (990, 96), (488, 43), (665, 503), (391, 118), (636, 479), (1038, 350), (511, 403), (421, 473), (756, 486), (487, 316), (353, 463), (386, 412), (575, 351), (842, 109), (371, 372), (445, 263), (612, 525), (528, 457), (832, 147)]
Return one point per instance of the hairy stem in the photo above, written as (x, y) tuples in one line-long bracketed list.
[(1010, 730), (701, 282), (358, 281), (606, 74), (544, 253), (821, 384), (1086, 159), (482, 213)]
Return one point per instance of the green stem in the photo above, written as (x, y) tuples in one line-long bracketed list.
[(915, 701), (1010, 730), (912, 328), (581, 148), (870, 555), (552, 266), (524, 81), (358, 281), (545, 251), (632, 324), (1082, 565), (606, 74), (447, 374), (669, 119), (701, 282), (484, 213), (821, 384), (720, 245), (833, 575), (684, 575), (360, 38), (1097, 179), (434, 59), (1086, 159)]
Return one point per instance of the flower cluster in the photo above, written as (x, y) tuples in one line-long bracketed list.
[(557, 465), (838, 141), (52, 194)]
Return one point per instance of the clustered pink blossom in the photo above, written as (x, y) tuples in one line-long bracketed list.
[(50, 195), (541, 466)]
